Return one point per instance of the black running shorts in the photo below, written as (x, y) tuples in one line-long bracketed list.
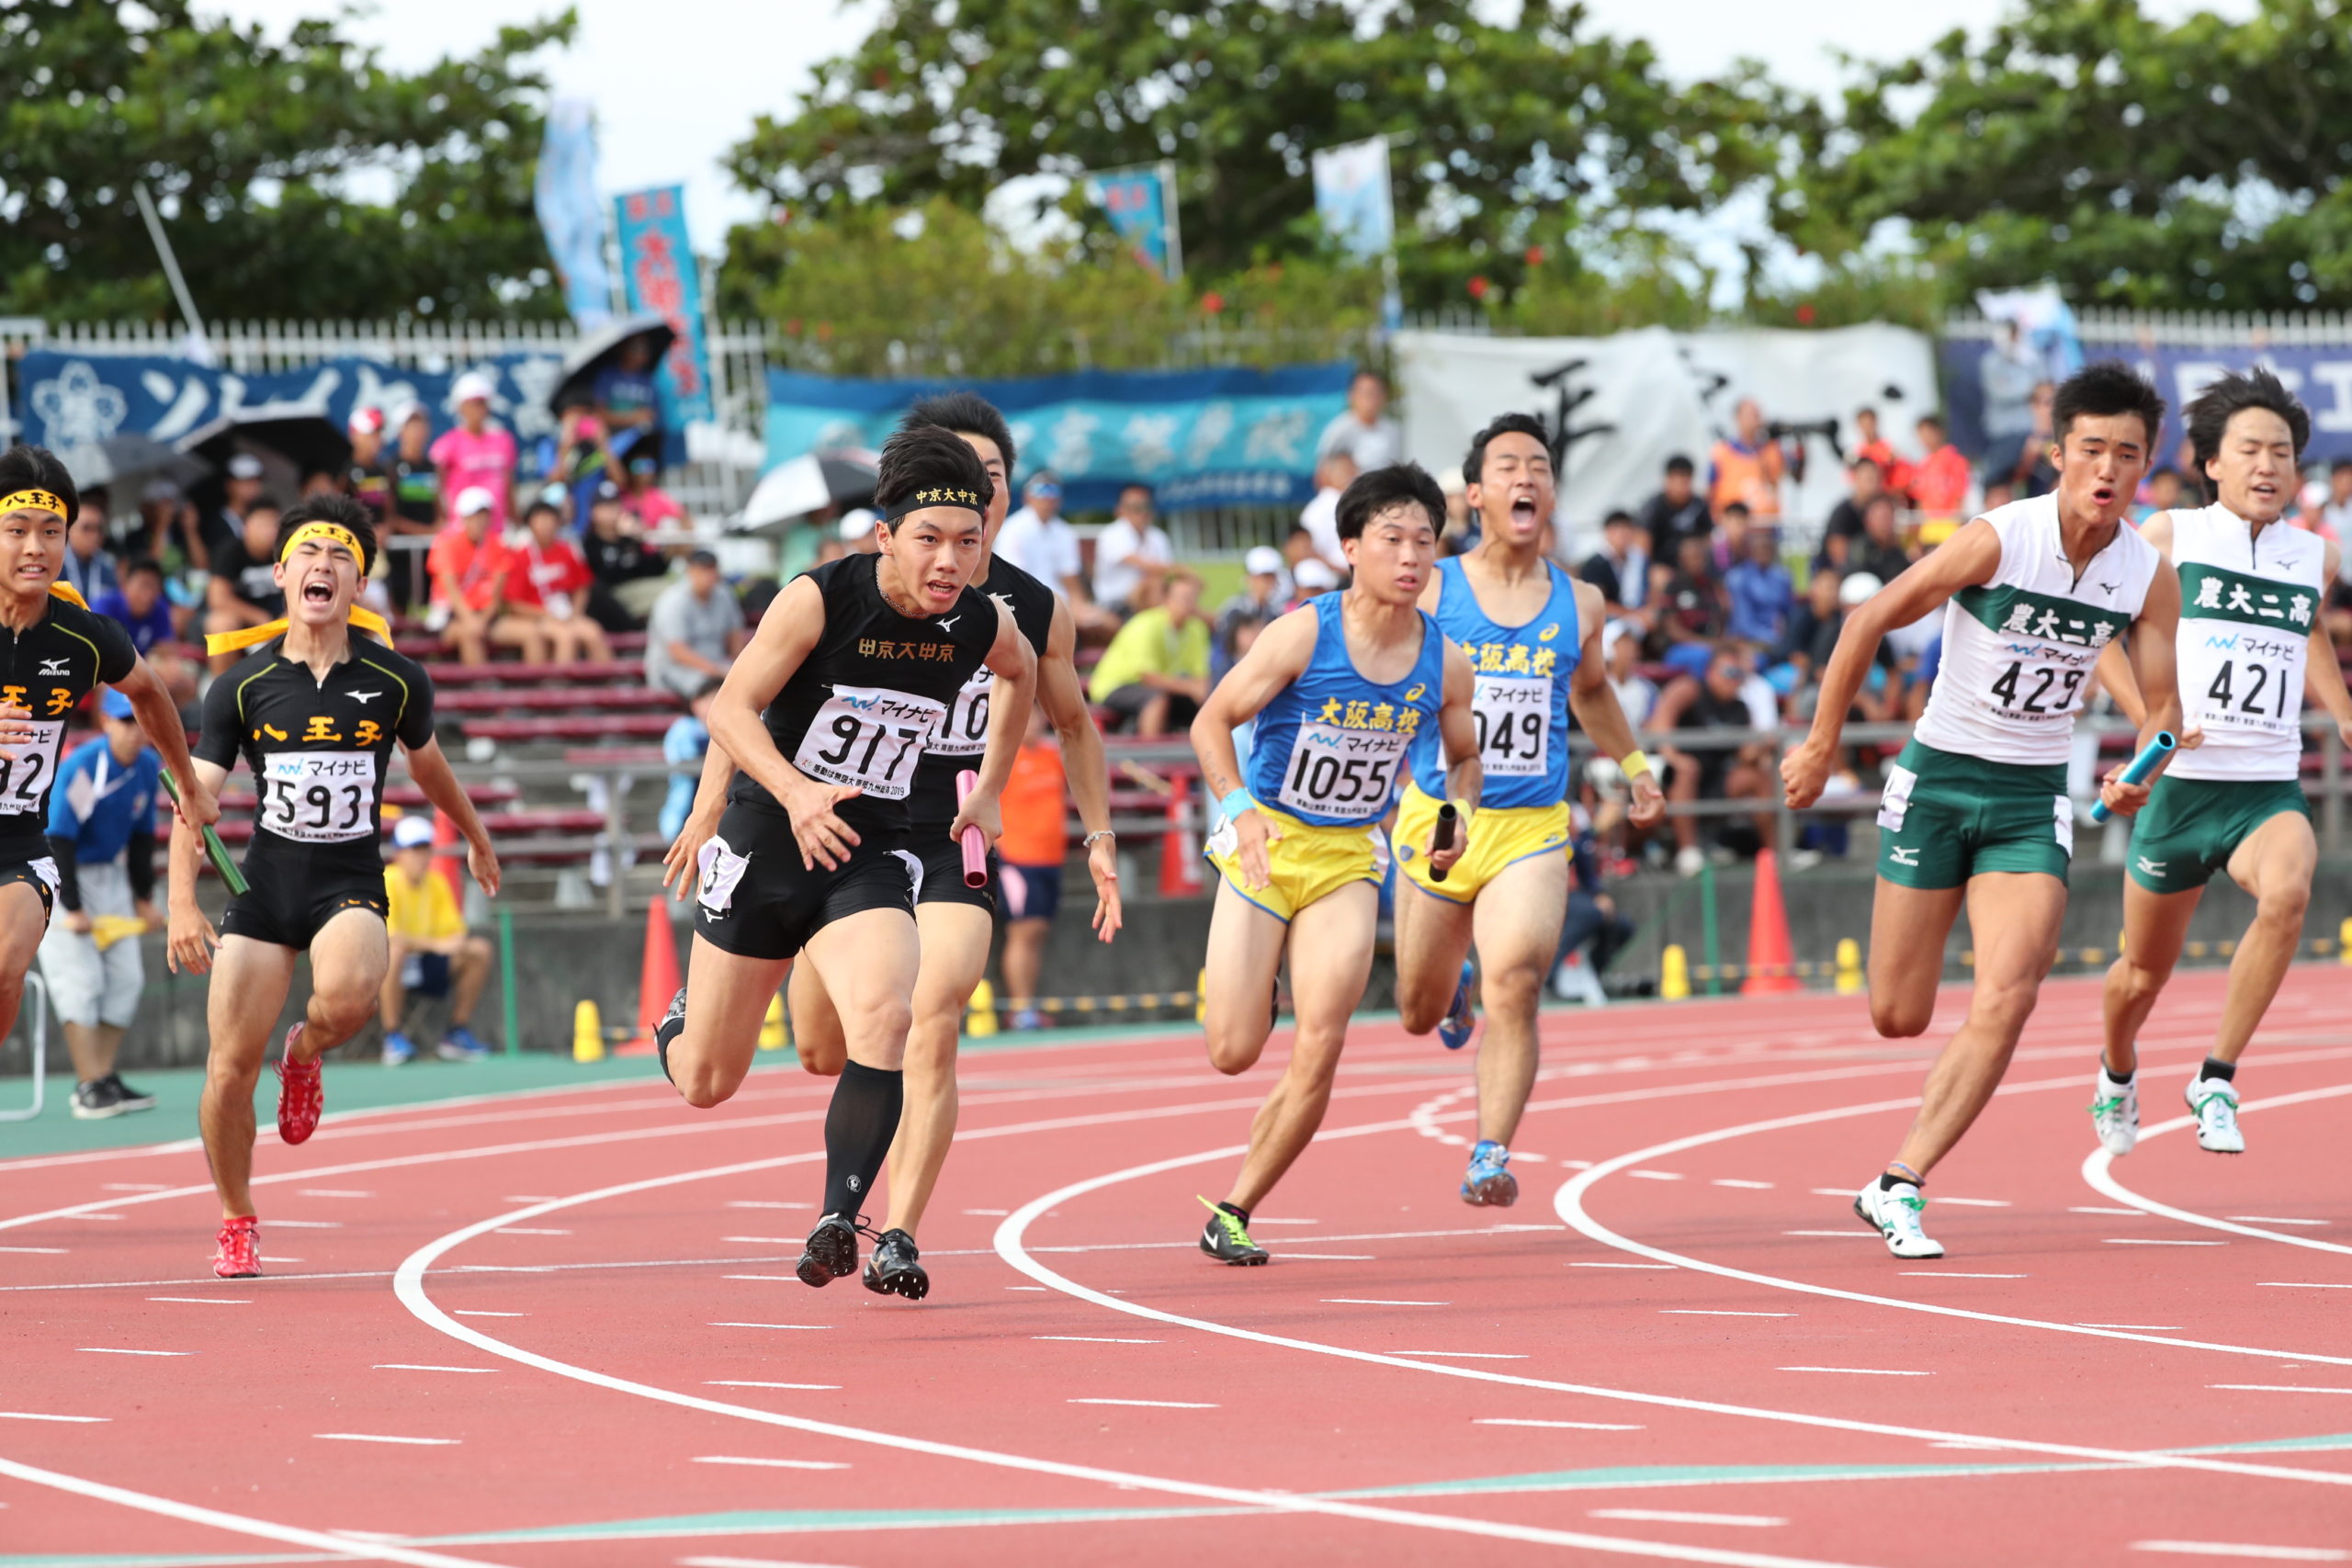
[(942, 872), (40, 875), (286, 910), (754, 899)]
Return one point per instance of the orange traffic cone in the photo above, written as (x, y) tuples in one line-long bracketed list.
[(1180, 847), (657, 977), (1771, 965)]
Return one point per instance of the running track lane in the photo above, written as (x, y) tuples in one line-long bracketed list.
[(1048, 1399)]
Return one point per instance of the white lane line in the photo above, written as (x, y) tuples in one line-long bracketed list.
[(408, 1284), (1846, 1192), (1957, 1274), (117, 1351), (479, 1312), (2095, 1209), (328, 1192), (2157, 1241), (527, 1198), (1096, 1339), (1863, 1371), (2236, 1549), (1656, 1175), (35, 1416), (1667, 1267), (1569, 1203), (2300, 1285), (45, 1251), (133, 1186), (1025, 1287), (92, 1216), (1676, 1517), (208, 1301), (341, 1547), (423, 1367), (1150, 1403), (1466, 1355), (746, 1383), (772, 1463), (1572, 1426), (1849, 1231), (1376, 1302), (1718, 1312), (1736, 1182), (2148, 1328), (2099, 1172), (995, 1213), (2272, 1220), (802, 1326), (381, 1438), (528, 1230), (2280, 1387)]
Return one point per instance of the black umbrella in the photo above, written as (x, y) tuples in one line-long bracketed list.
[(580, 366), (809, 483), (125, 462), (290, 448)]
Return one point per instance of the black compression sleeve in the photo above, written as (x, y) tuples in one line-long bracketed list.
[(69, 885), (141, 850)]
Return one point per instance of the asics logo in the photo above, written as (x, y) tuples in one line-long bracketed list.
[(2151, 867), (1903, 854), (366, 696)]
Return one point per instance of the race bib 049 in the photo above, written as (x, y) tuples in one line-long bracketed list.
[(1514, 717), (869, 737), (1341, 772), (25, 778), (319, 797)]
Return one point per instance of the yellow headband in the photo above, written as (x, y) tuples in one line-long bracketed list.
[(41, 499), (366, 620), (334, 533)]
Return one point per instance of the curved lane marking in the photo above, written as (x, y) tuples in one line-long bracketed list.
[(2098, 1170)]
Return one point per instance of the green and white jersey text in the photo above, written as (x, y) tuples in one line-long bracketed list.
[(2248, 601)]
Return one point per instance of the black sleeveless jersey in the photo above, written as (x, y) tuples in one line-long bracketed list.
[(864, 704), (318, 751), (964, 735), (49, 668)]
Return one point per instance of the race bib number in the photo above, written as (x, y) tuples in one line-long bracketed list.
[(2039, 690), (965, 731), (1514, 717), (25, 778), (1894, 805), (1341, 772), (869, 737), (319, 797), (2254, 686), (719, 871)]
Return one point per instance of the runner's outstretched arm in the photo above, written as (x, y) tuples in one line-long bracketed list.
[(1279, 657), (774, 656), (1089, 772), (1594, 701), (159, 717), (2152, 657), (1466, 776), (188, 948), (429, 766), (702, 818), (1015, 667), (1968, 557)]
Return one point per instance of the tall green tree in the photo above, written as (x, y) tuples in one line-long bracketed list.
[(272, 161), (2198, 165), (1507, 139)]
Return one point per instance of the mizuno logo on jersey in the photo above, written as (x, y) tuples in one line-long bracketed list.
[(2151, 867), (949, 624), (366, 696), (1903, 854), (56, 666)]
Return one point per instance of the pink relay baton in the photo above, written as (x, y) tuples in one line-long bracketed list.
[(976, 844)]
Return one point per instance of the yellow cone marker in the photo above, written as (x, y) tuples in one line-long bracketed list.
[(982, 1022), (1849, 966), (587, 1033), (1674, 976), (773, 1034)]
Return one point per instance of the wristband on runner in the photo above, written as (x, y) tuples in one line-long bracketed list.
[(1234, 805), (1634, 764)]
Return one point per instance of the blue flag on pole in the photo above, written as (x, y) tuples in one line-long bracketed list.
[(571, 216), (1137, 204), (658, 275)]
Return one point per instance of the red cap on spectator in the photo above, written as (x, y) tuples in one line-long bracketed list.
[(366, 422)]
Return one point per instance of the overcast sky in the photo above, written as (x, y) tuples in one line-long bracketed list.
[(675, 84)]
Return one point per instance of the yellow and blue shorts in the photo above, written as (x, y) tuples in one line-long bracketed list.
[(1499, 837), (1305, 864)]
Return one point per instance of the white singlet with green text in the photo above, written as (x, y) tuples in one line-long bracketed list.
[(2248, 601)]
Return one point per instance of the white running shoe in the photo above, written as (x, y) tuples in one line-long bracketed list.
[(2216, 1101), (1896, 1215), (2115, 1113)]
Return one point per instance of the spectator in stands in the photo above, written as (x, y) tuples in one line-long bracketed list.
[(1717, 700), (624, 391), (1866, 481), (1321, 517), (1690, 605), (1155, 675), (169, 528), (1258, 601), (415, 503), (1460, 536), (1132, 556), (2034, 473), (1621, 649), (1593, 928), (1748, 466), (642, 496), (857, 532), (1363, 430), (1677, 510), (433, 954), (1620, 569), (367, 477), (629, 573), (137, 604), (87, 568), (547, 584), (695, 630), (1813, 631), (1893, 472), (240, 491), (2008, 372), (1039, 540), (684, 746), (1299, 545), (1761, 593), (1308, 577), (1730, 543), (1029, 856), (1939, 484), (243, 588), (2160, 493), (102, 840), (469, 564), (474, 453), (1879, 551), (581, 462), (2337, 510)]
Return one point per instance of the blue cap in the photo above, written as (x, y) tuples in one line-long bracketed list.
[(114, 705)]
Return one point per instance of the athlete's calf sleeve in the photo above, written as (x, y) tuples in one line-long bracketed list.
[(859, 1125)]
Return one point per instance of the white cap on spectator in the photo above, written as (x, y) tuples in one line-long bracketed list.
[(473, 498), (413, 833), (244, 466), (1313, 572), (1263, 561), (403, 412), (1451, 482), (366, 422), (1856, 588), (472, 385), (856, 523)]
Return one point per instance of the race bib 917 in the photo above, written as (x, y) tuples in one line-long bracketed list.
[(1514, 717), (869, 737), (1341, 772), (319, 797)]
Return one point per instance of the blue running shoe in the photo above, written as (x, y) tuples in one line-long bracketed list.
[(1460, 1022), (460, 1045), (399, 1049), (1490, 1183)]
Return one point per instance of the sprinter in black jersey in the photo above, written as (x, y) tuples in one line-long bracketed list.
[(57, 652), (825, 714), (315, 712), (957, 922)]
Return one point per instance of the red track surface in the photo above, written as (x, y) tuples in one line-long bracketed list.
[(577, 1296)]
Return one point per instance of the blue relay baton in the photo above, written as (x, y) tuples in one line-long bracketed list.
[(2152, 753)]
